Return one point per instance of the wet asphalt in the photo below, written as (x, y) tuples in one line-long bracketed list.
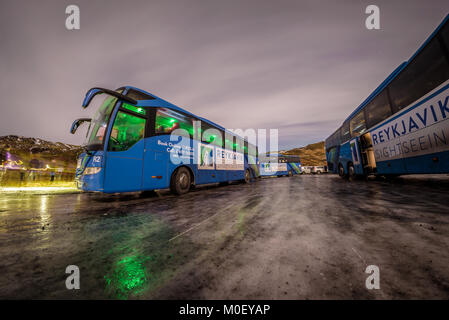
[(303, 237)]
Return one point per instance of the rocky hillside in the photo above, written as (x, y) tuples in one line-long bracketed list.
[(32, 151), (311, 155), (14, 149)]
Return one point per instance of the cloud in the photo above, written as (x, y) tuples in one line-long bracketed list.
[(300, 66)]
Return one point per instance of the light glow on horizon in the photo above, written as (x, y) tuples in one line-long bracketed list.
[(52, 189)]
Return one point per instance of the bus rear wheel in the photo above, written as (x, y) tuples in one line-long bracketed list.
[(290, 173), (247, 176), (351, 172), (180, 181), (341, 171)]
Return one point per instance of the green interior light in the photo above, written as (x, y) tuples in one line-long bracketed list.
[(133, 108)]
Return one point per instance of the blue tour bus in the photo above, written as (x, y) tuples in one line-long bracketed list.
[(280, 165), (403, 126), (138, 142)]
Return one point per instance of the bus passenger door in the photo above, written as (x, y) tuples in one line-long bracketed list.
[(124, 156), (367, 153), (156, 163), (356, 157)]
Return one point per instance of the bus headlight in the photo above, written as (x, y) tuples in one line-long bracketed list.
[(92, 170)]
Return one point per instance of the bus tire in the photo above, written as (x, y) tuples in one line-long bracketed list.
[(180, 181), (341, 171), (290, 173), (247, 176), (351, 172)]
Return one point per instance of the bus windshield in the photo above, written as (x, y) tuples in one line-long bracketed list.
[(98, 126)]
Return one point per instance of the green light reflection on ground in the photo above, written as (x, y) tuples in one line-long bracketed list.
[(129, 277)]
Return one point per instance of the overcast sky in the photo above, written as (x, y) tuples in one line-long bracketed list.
[(299, 66)]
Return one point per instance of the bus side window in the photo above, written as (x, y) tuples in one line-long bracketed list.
[(211, 135), (252, 150), (169, 120), (229, 141), (377, 110), (345, 133), (334, 139), (357, 124), (445, 37), (126, 132), (332, 154), (238, 145), (425, 72)]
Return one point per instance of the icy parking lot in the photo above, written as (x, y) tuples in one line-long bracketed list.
[(278, 238)]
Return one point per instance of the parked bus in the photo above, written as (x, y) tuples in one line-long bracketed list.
[(403, 125), (280, 165), (139, 142)]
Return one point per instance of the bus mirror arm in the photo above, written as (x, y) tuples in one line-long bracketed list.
[(95, 91), (77, 123)]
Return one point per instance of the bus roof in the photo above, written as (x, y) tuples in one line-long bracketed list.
[(395, 73), (159, 102)]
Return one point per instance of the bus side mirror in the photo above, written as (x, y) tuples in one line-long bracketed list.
[(77, 123), (90, 95)]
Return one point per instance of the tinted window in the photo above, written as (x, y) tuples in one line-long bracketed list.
[(229, 141), (210, 134), (427, 70), (334, 139), (445, 35), (250, 149), (377, 110), (238, 145), (135, 109), (126, 132), (137, 95), (332, 154), (168, 120), (357, 124), (345, 134)]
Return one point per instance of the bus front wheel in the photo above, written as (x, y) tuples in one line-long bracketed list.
[(290, 173), (180, 181)]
